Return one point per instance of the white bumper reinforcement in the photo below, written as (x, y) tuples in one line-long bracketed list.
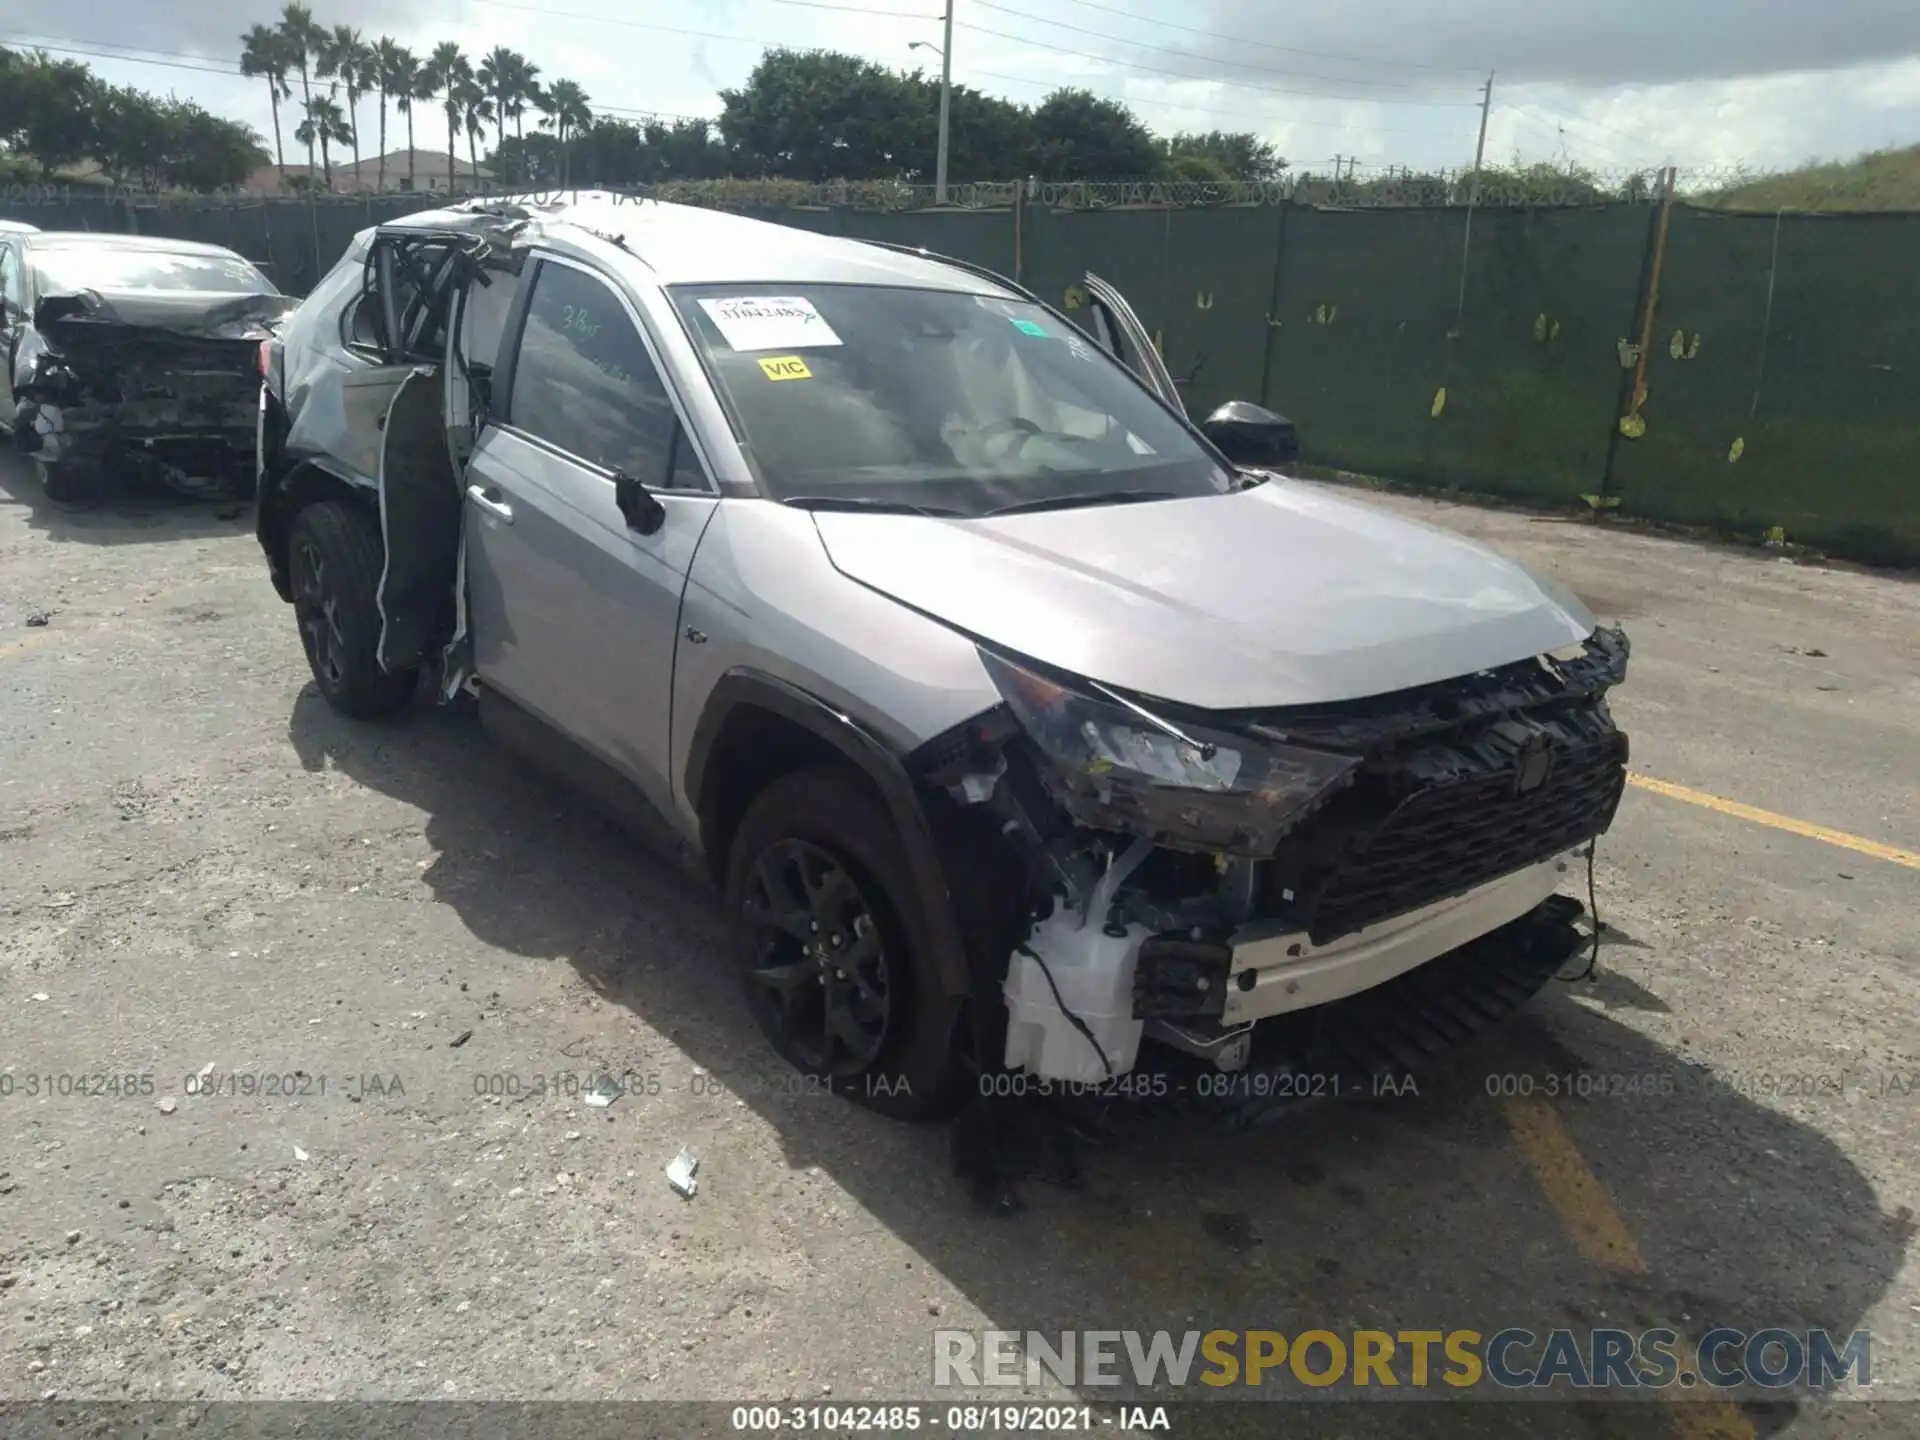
[(1290, 973)]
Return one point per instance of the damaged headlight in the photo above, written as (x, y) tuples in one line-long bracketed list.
[(1116, 765)]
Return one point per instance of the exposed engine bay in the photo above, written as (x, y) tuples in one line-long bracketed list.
[(168, 385), (1192, 874)]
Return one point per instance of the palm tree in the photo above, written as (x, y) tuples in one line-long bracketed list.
[(564, 106), (263, 56), (360, 76), (499, 78), (425, 85), (477, 110), (324, 125), (527, 92), (341, 56), (301, 37), (393, 75), (451, 72)]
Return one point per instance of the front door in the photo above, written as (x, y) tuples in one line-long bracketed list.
[(1121, 334), (573, 604)]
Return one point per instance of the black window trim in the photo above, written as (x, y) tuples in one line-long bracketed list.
[(508, 365)]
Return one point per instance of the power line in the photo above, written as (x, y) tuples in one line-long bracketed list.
[(179, 60), (1187, 75), (183, 60), (1187, 54), (1239, 115), (97, 54), (1242, 42)]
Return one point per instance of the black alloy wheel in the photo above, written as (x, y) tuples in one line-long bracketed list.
[(822, 974), (318, 613)]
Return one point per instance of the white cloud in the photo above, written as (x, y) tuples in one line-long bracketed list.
[(1573, 79)]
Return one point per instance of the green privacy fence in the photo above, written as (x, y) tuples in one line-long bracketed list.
[(1783, 381), (1489, 350)]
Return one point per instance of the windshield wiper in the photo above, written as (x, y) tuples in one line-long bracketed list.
[(868, 502), (1092, 497)]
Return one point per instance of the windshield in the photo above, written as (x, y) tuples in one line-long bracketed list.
[(951, 402), (93, 267)]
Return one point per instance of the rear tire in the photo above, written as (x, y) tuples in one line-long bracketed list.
[(817, 859), (335, 557)]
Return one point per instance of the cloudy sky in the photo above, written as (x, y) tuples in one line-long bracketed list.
[(1630, 83)]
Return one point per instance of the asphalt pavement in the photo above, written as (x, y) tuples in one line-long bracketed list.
[(348, 984)]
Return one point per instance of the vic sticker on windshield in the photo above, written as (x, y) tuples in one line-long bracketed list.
[(769, 322)]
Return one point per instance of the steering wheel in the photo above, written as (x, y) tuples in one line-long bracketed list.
[(1013, 425)]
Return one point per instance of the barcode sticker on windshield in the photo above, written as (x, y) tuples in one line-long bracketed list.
[(769, 322)]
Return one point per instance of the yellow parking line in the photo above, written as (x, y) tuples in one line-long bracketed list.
[(1779, 822), (1572, 1188), (16, 646), (1601, 1235)]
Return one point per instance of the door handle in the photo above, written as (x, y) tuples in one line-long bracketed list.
[(487, 497)]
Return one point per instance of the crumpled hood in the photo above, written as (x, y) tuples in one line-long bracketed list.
[(204, 315), (1286, 594)]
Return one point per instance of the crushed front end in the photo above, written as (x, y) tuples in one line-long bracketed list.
[(1196, 879), (169, 390)]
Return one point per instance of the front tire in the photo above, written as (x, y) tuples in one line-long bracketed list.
[(67, 482), (335, 555), (828, 934)]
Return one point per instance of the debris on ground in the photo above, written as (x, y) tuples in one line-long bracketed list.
[(168, 1104), (460, 1039), (38, 618), (602, 1092), (680, 1173), (298, 1153)]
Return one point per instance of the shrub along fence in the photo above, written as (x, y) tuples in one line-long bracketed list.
[(1759, 373)]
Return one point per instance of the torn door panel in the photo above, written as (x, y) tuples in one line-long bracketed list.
[(420, 517)]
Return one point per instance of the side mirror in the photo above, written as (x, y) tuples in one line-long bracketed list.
[(1247, 434), (643, 513)]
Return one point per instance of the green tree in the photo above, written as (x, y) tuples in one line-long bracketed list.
[(48, 109), (263, 56), (1234, 156), (303, 38), (205, 152), (1078, 135), (130, 143), (820, 115)]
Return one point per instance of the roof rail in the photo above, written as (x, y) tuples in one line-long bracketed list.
[(967, 265)]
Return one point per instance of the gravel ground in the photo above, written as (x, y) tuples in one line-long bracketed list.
[(396, 958)]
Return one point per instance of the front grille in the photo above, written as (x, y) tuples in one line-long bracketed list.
[(1447, 813), (1449, 838)]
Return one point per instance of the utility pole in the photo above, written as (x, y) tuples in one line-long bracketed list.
[(1480, 146), (1473, 199), (946, 109)]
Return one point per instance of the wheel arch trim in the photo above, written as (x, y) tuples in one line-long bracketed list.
[(861, 747)]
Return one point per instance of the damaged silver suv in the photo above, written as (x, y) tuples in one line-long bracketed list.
[(1033, 736)]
